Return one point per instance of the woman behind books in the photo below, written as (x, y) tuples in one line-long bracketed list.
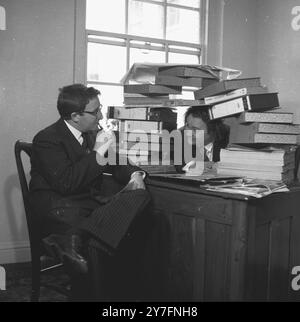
[(216, 134)]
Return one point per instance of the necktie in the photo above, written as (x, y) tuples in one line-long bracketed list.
[(85, 144)]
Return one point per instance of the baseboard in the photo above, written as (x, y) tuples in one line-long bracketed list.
[(14, 252)]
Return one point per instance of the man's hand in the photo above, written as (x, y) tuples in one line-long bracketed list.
[(103, 141), (136, 182)]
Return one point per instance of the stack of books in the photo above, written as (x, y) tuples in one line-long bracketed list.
[(264, 128), (141, 135), (230, 97), (265, 164), (255, 120), (148, 94), (165, 85), (148, 111)]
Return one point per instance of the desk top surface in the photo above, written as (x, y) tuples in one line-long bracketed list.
[(195, 187)]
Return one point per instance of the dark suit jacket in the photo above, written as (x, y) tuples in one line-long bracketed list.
[(217, 146), (64, 175)]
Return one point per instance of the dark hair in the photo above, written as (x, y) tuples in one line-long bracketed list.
[(74, 98), (216, 128)]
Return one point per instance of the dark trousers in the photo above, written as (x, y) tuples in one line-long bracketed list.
[(117, 232)]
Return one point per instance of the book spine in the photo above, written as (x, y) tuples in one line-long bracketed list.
[(146, 114), (226, 86), (115, 112), (266, 117), (278, 128), (184, 81), (146, 126), (276, 138), (145, 146), (255, 167), (228, 108), (225, 97), (258, 102), (152, 89)]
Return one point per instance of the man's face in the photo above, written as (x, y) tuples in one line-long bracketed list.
[(194, 124), (91, 116)]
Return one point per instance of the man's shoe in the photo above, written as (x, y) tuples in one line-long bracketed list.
[(67, 248)]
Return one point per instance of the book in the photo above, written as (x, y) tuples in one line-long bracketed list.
[(168, 103), (253, 102), (226, 86), (147, 100), (186, 71), (251, 162), (256, 167), (145, 146), (234, 94), (266, 117), (258, 155), (147, 157), (146, 95), (152, 89), (162, 138), (184, 81), (286, 176), (147, 114), (243, 134), (272, 128), (146, 126)]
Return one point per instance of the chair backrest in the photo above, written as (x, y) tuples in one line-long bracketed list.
[(30, 218)]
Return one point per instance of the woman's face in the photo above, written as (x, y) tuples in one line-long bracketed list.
[(194, 124)]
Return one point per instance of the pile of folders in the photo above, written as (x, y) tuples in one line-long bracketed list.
[(253, 113)]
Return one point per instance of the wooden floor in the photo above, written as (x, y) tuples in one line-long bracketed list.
[(18, 284)]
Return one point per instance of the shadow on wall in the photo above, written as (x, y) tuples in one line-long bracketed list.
[(15, 210)]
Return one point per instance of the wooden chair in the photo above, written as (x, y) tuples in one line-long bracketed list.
[(38, 258)]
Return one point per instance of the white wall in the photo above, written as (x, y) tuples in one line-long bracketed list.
[(279, 50), (232, 35), (36, 58)]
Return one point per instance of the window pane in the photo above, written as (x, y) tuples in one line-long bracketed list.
[(190, 3), (106, 63), (145, 19), (183, 59), (142, 56), (105, 15), (183, 25)]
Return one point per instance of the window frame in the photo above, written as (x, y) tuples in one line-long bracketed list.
[(84, 36)]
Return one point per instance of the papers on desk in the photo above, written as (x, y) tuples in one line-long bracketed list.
[(206, 178), (248, 187), (228, 184)]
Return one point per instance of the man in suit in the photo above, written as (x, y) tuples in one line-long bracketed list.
[(67, 166), (216, 134)]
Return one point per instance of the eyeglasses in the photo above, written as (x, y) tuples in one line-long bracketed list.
[(94, 113)]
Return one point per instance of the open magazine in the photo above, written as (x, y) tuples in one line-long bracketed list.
[(250, 187)]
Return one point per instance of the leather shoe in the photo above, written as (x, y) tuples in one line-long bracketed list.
[(67, 248)]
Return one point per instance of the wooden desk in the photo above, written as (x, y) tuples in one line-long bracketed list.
[(220, 247)]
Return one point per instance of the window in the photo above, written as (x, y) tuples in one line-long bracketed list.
[(2, 18), (122, 32)]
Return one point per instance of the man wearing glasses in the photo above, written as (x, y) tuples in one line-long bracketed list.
[(66, 176)]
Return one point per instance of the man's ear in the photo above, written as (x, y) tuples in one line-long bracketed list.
[(75, 117)]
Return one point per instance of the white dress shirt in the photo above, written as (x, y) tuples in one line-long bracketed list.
[(208, 149), (75, 132)]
